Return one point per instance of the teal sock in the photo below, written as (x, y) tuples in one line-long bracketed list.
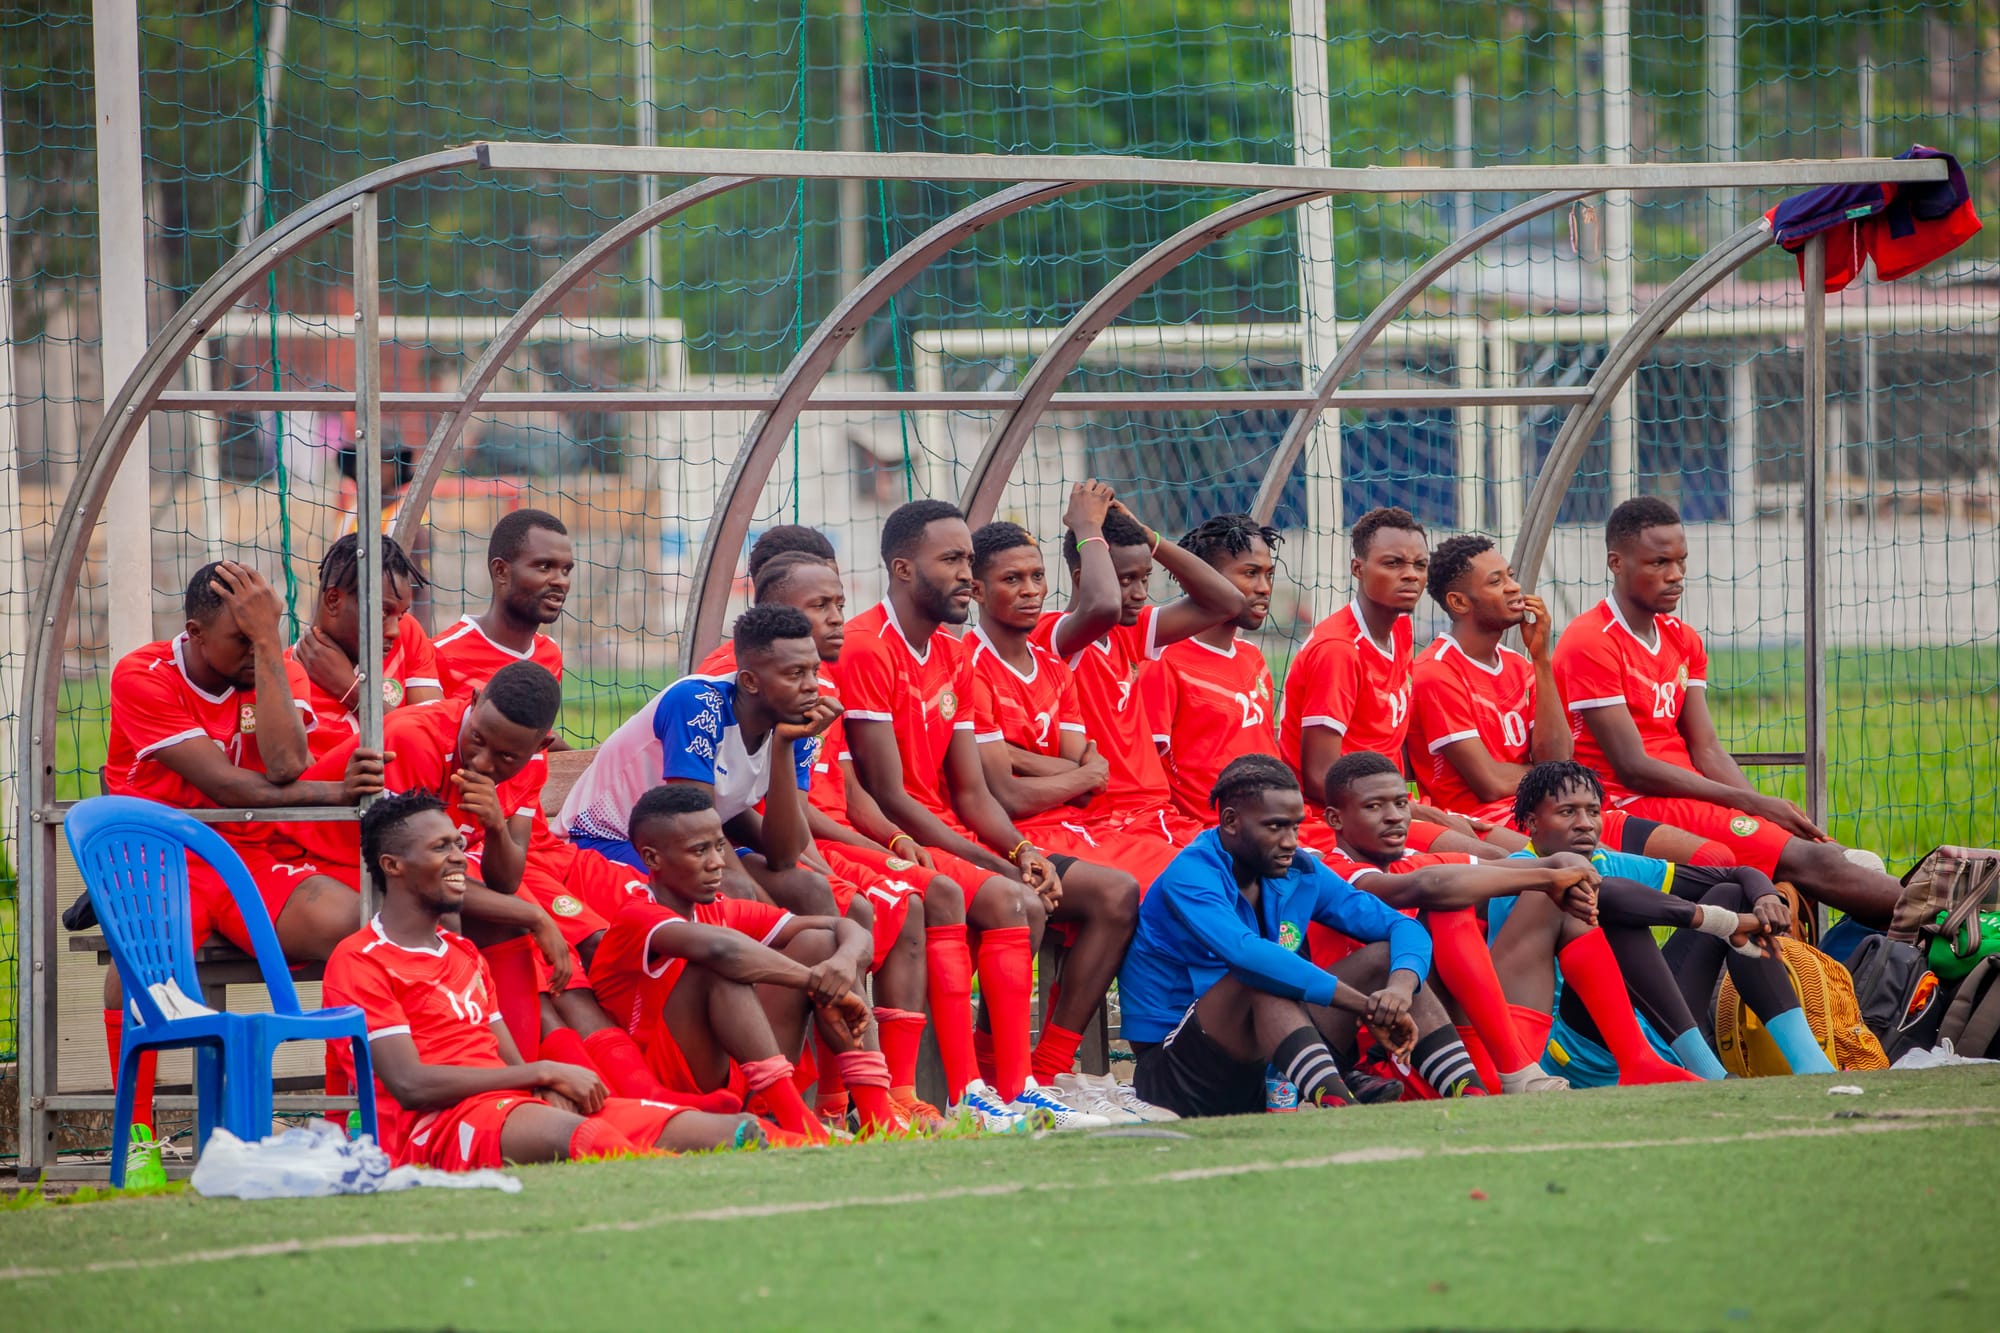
[(1696, 1056), (1797, 1044)]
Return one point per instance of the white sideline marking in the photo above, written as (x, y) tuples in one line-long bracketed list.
[(742, 1212)]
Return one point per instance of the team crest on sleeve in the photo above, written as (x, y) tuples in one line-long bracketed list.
[(392, 693), (1743, 826), (246, 720), (947, 705), (1682, 676), (564, 905), (1289, 936)]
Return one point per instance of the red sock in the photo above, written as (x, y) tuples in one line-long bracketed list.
[(950, 965), (1007, 980), (1055, 1053), (867, 1076), (1590, 969), (565, 1046), (902, 1041), (1713, 854), (512, 963), (982, 1051), (831, 1103), (772, 1077), (808, 1069), (596, 1138), (1482, 1060), (618, 1058), (142, 1082), (1533, 1025), (1465, 966)]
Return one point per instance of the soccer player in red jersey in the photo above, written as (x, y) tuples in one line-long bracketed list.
[(1635, 678), (718, 990), (907, 684), (1589, 935), (530, 560), (1213, 695), (206, 720), (1109, 633), (1482, 714), (1368, 806), (453, 1091), (323, 665)]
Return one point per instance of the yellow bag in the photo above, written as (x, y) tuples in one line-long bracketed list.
[(1826, 994)]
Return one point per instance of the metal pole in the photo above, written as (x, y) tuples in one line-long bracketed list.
[(649, 192), (1312, 146), (1815, 527), (1618, 230), (1470, 422), (368, 477), (1724, 130), (13, 559), (854, 190), (1870, 402), (122, 291)]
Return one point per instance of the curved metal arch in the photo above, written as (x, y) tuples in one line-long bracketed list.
[(99, 462), (1559, 468), (1349, 356), (701, 630), (543, 299), (995, 464)]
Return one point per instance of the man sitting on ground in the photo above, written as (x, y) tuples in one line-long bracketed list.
[(1216, 989), (1635, 678), (1481, 713), (1368, 808), (323, 666), (529, 560), (452, 1089), (717, 990), (1722, 914)]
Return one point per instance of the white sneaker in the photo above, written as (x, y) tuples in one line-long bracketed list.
[(1085, 1094), (1045, 1110), (1123, 1095), (983, 1107), (1531, 1078)]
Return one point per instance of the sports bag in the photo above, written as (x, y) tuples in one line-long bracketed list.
[(1900, 998), (1943, 890), (1826, 994), (1972, 1022)]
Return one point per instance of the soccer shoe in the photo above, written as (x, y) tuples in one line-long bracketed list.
[(1048, 1111), (1124, 1095), (143, 1168), (983, 1107), (1531, 1078), (921, 1117), (1372, 1090), (1088, 1095)]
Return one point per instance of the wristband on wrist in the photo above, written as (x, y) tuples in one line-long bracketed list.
[(901, 837), (1156, 541), (1014, 857), (1082, 542)]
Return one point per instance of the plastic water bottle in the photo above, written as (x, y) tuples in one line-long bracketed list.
[(1281, 1095)]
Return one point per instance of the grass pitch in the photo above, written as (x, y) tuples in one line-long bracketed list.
[(1766, 1204)]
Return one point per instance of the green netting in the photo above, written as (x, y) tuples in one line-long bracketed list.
[(739, 283)]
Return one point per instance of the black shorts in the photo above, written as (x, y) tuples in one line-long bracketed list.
[(1191, 1076), (1062, 861)]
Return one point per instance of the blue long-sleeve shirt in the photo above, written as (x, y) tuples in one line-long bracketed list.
[(1195, 927)]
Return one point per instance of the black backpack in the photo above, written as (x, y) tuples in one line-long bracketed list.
[(1900, 997)]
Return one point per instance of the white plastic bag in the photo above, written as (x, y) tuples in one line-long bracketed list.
[(318, 1160), (1937, 1058)]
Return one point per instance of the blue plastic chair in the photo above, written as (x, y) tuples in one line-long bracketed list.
[(133, 855)]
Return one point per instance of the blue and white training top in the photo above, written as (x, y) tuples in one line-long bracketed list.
[(687, 732)]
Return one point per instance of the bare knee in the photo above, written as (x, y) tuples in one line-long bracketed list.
[(944, 902), (860, 912)]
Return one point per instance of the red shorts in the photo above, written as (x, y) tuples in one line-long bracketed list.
[(573, 916), (1142, 846), (1327, 946), (1756, 843), (601, 884), (212, 907), (466, 1137), (888, 890), (664, 1056)]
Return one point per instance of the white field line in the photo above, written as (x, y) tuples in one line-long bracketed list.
[(1353, 1157)]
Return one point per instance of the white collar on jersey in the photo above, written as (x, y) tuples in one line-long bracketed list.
[(1618, 617), (889, 611), (979, 633), (1455, 646), (180, 665), (1363, 636), (480, 630), (375, 924)]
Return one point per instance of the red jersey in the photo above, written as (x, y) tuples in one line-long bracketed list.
[(441, 998), (1600, 662), (1031, 711), (633, 992), (1455, 698), (424, 741), (468, 658), (411, 665), (1345, 681), (1326, 946), (926, 698), (1209, 707), (154, 705), (1114, 710)]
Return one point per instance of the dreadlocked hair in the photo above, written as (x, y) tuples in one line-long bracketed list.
[(1555, 778), (340, 567), (1228, 535)]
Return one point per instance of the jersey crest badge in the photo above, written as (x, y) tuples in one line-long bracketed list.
[(1743, 826), (1681, 676), (898, 864), (1288, 936), (564, 905), (246, 720), (392, 693), (947, 705)]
